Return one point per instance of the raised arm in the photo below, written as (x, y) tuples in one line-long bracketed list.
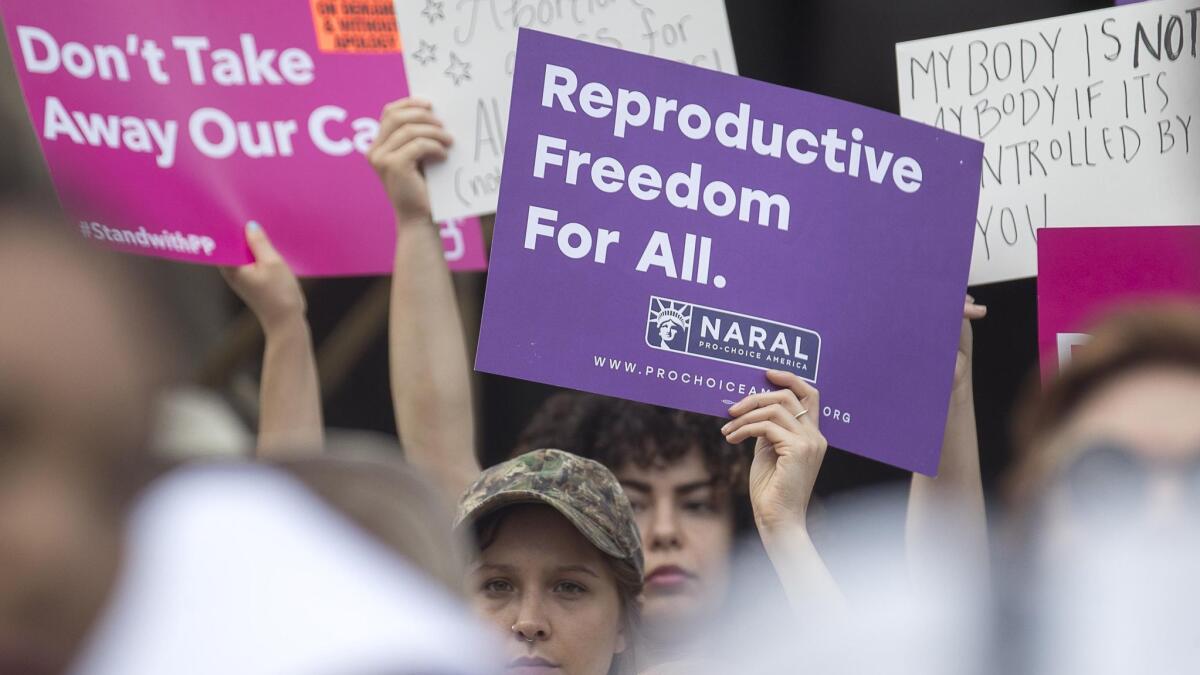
[(289, 418), (946, 513), (787, 458), (430, 375)]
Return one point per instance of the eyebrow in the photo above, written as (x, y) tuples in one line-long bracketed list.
[(582, 569), (504, 569), (688, 488), (635, 485), (509, 569), (684, 489)]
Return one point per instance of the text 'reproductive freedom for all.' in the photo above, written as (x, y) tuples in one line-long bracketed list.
[(737, 130)]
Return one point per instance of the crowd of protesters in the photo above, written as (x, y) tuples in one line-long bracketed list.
[(617, 538)]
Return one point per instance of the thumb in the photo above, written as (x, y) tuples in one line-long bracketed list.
[(260, 244), (972, 310)]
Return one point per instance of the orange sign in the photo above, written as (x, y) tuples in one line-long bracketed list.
[(356, 26)]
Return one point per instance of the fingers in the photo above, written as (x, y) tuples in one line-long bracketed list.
[(406, 102), (796, 398), (793, 382), (412, 144), (411, 132), (807, 394), (775, 434), (400, 117), (973, 311), (777, 416), (260, 244), (775, 413), (786, 398), (416, 152), (260, 247)]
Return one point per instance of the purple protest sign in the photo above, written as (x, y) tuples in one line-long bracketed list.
[(665, 233), (167, 125)]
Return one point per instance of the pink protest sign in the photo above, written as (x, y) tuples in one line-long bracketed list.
[(462, 239), (1082, 272), (167, 125)]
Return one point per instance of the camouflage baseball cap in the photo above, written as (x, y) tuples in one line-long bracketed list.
[(582, 490)]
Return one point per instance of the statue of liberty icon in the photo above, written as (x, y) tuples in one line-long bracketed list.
[(667, 327)]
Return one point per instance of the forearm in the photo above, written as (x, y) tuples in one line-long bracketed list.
[(810, 588), (430, 372), (947, 513), (290, 396)]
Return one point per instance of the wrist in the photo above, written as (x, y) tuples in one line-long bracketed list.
[(285, 325), (782, 538), (780, 526), (413, 217), (419, 235)]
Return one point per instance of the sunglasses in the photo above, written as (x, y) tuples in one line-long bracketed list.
[(1112, 478)]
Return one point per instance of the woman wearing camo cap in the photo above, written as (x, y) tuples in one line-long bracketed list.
[(559, 563)]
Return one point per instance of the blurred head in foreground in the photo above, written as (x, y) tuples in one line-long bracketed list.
[(1107, 495), (559, 566), (79, 359), (387, 499), (1117, 435)]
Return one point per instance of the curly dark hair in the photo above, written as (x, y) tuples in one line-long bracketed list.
[(618, 433)]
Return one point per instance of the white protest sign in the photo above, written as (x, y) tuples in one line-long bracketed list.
[(1091, 119), (460, 54)]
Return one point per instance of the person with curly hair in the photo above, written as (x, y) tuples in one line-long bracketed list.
[(688, 488)]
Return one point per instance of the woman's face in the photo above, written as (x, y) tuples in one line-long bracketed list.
[(1131, 452), (686, 524), (553, 592)]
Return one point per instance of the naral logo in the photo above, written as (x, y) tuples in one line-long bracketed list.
[(730, 337)]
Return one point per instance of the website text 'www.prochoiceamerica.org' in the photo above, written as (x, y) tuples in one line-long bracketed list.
[(739, 389), (682, 376)]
